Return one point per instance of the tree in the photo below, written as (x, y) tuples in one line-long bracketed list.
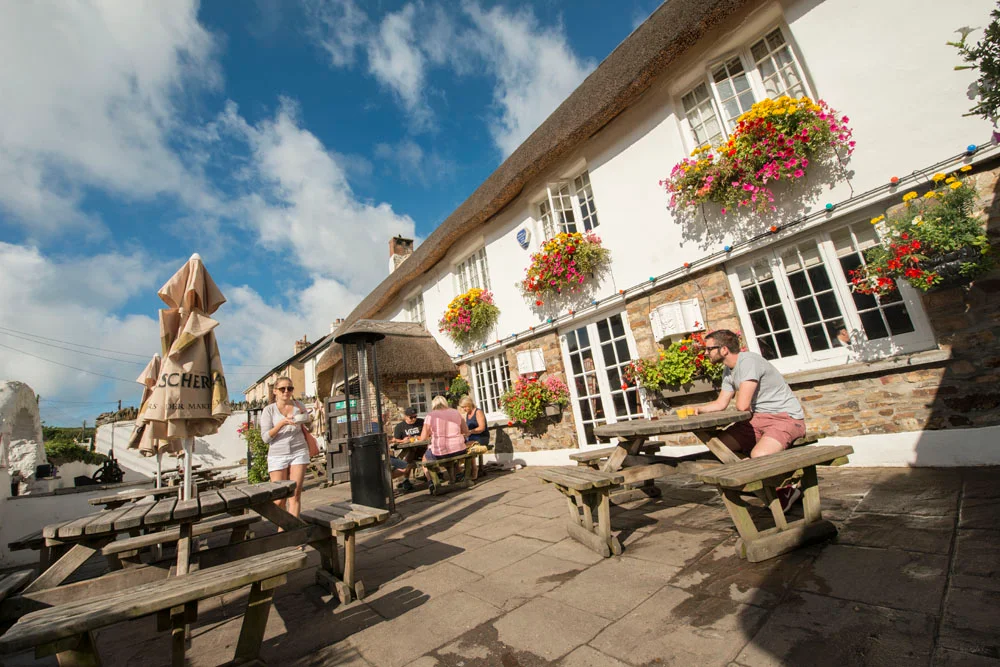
[(984, 56)]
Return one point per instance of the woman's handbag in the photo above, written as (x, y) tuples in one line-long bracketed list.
[(311, 441)]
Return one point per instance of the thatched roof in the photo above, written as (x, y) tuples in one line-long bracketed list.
[(615, 85), (408, 351)]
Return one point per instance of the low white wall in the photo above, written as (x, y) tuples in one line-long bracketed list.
[(948, 448)]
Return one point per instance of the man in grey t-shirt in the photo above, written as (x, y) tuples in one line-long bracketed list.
[(777, 419)]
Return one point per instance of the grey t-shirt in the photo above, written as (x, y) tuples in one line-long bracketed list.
[(773, 394)]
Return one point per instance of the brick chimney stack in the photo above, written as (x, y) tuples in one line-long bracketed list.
[(399, 249), (301, 344), (336, 323)]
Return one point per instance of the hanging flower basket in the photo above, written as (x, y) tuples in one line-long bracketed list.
[(469, 317), (564, 264), (935, 241), (530, 399), (681, 364), (776, 140)]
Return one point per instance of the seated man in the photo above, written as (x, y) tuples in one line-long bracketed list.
[(405, 431), (778, 419)]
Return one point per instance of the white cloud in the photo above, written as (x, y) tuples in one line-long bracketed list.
[(339, 26), (72, 300), (95, 104), (535, 70), (414, 164), (301, 202), (397, 61)]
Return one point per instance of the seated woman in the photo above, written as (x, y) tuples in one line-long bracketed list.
[(447, 430), (475, 419)]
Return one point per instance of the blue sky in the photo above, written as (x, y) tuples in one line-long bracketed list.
[(284, 140)]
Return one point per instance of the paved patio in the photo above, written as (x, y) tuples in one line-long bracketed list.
[(488, 577)]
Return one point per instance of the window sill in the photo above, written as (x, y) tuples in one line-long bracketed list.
[(902, 362)]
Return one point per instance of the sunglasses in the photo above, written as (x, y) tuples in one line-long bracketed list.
[(712, 347), (284, 389)]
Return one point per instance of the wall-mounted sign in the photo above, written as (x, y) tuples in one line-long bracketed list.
[(524, 237)]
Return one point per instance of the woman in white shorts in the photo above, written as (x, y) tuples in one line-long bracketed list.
[(288, 452)]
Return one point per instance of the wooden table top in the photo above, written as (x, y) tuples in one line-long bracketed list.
[(129, 496), (410, 445), (671, 424), (169, 511)]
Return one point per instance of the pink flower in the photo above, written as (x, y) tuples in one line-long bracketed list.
[(799, 173)]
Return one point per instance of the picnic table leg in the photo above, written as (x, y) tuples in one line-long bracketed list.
[(604, 524), (574, 511), (65, 566), (810, 495), (255, 619), (79, 651), (737, 508), (774, 503), (184, 549), (717, 447), (617, 458)]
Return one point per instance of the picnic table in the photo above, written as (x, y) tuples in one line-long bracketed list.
[(116, 500)]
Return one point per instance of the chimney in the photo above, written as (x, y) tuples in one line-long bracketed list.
[(336, 323), (399, 250), (301, 344)]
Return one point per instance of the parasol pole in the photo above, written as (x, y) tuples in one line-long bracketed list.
[(188, 448), (159, 470)]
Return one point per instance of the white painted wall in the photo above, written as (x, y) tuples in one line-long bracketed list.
[(885, 66)]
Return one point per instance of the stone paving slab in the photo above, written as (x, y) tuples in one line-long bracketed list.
[(930, 534)]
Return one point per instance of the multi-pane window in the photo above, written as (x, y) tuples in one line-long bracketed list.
[(778, 71), (700, 112), (473, 272), (490, 379), (765, 68), (568, 207), (421, 392), (798, 308), (415, 309)]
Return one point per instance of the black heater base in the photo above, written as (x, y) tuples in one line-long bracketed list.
[(368, 485)]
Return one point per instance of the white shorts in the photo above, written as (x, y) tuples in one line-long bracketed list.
[(275, 463)]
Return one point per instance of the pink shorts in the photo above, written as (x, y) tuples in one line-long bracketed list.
[(779, 426)]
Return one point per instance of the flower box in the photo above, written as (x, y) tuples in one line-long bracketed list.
[(553, 410), (689, 389)]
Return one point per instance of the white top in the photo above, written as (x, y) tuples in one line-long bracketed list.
[(289, 440)]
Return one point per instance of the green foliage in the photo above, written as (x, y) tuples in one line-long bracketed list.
[(680, 363), (526, 400), (984, 56), (258, 453), (59, 452), (457, 388)]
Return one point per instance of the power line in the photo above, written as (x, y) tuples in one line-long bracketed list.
[(69, 349), (59, 363), (52, 400)]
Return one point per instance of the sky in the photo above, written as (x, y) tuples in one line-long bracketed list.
[(285, 141)]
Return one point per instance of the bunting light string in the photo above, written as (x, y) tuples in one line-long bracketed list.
[(855, 201)]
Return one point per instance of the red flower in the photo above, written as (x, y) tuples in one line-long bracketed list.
[(539, 303), (624, 387), (683, 348)]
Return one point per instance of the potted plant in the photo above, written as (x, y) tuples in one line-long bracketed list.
[(681, 367), (564, 263), (934, 241), (469, 317), (529, 399), (456, 389), (775, 140), (258, 453)]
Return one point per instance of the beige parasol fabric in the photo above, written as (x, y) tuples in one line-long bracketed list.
[(190, 397), (142, 437)]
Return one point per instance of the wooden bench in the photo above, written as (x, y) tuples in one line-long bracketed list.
[(342, 520), (594, 457), (12, 582), (763, 475), (66, 630), (436, 471), (116, 500), (586, 491), (317, 467), (126, 553)]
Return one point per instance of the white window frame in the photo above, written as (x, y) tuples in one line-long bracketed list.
[(472, 271), (427, 390), (861, 349), (486, 389), (579, 193), (415, 309), (754, 77)]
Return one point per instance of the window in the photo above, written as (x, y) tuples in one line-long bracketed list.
[(421, 392), (794, 301), (415, 309), (568, 207), (473, 272), (490, 379), (767, 68)]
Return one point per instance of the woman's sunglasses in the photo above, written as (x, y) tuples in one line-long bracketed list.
[(284, 388)]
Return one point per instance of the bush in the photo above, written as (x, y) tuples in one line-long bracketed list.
[(258, 453), (59, 452)]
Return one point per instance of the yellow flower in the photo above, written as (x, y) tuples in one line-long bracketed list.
[(956, 185), (937, 178), (930, 194), (877, 219), (950, 179), (909, 195), (966, 168)]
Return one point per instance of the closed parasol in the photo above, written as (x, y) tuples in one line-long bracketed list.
[(142, 437), (189, 398)]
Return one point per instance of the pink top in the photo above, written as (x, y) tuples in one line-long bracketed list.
[(448, 431)]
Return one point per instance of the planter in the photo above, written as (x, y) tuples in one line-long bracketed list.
[(690, 389), (949, 267), (553, 410)]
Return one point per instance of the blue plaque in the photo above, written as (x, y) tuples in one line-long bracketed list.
[(523, 237)]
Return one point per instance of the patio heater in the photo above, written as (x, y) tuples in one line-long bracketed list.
[(367, 444)]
